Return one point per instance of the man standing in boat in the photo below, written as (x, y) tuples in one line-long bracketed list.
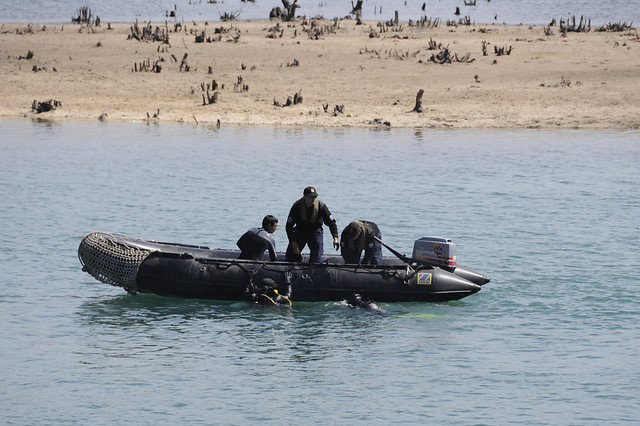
[(304, 226), (358, 236), (255, 241)]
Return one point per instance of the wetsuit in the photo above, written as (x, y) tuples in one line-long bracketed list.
[(352, 249), (254, 242), (304, 226)]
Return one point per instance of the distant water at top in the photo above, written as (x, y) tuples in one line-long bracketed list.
[(485, 12)]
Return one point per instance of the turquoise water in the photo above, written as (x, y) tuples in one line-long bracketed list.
[(514, 12), (550, 216)]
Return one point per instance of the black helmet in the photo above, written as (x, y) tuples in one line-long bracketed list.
[(355, 299), (268, 283)]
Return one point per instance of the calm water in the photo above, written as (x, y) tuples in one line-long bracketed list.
[(550, 216), (494, 11)]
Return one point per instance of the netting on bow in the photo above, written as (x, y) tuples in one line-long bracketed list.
[(111, 261)]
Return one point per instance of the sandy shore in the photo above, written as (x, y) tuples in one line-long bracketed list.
[(583, 80)]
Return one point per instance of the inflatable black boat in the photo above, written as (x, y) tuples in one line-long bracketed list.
[(176, 270)]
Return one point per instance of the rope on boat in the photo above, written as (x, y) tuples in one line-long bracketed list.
[(224, 263), (110, 261), (391, 271)]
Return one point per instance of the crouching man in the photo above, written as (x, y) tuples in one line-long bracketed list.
[(359, 236)]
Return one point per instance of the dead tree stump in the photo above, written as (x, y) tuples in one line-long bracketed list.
[(45, 106), (290, 10), (418, 107), (184, 65), (357, 9), (295, 100), (208, 99)]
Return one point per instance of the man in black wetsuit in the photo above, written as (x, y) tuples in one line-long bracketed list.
[(255, 241), (358, 236), (304, 226)]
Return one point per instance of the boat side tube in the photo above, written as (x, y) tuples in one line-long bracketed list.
[(182, 275), (470, 275)]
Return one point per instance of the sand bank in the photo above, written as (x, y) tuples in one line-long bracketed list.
[(351, 75)]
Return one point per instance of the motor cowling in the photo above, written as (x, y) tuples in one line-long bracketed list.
[(437, 250)]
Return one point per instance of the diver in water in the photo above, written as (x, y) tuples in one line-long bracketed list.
[(357, 302), (266, 292)]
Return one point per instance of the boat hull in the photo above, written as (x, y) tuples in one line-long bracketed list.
[(198, 272), (228, 279)]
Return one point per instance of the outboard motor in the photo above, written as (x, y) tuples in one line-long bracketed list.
[(437, 250)]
